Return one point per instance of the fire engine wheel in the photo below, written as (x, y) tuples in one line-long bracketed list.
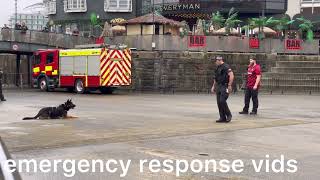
[(43, 84), (79, 86)]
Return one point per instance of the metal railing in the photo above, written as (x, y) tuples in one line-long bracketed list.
[(13, 80), (297, 83), (44, 38)]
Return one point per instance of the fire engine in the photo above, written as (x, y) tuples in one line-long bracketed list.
[(82, 70)]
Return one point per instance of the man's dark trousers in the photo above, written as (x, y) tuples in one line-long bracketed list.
[(251, 93), (222, 97)]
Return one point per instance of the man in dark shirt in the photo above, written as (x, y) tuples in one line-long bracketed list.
[(252, 87), (223, 86), (1, 95)]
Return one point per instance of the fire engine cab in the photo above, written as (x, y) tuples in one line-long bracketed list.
[(82, 70)]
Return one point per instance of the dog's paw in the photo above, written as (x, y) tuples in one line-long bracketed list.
[(70, 117)]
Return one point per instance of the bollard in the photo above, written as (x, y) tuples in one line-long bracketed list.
[(21, 82)]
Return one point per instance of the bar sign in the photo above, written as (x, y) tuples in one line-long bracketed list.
[(197, 41)]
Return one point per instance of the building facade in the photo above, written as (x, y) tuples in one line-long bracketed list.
[(294, 8), (75, 14), (184, 9), (33, 21), (311, 9), (307, 8)]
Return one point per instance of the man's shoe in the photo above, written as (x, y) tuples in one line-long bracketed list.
[(220, 121), (229, 118), (253, 113), (244, 112)]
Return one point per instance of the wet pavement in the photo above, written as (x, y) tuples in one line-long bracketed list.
[(157, 126)]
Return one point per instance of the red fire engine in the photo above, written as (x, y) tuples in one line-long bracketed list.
[(82, 70)]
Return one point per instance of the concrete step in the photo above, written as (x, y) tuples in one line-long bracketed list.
[(291, 75), (295, 69), (290, 64)]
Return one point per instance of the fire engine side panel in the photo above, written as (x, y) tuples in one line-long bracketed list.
[(66, 71), (67, 81), (93, 65), (93, 81), (80, 65), (93, 71), (66, 66)]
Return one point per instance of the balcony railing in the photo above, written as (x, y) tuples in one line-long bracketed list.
[(44, 38)]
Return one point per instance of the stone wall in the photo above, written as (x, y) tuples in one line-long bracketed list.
[(193, 71)]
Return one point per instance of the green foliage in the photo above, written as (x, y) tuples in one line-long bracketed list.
[(206, 27), (261, 22), (184, 29), (306, 26), (217, 20), (310, 35), (94, 19), (232, 20), (283, 23)]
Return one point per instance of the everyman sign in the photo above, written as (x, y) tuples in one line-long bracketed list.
[(178, 7)]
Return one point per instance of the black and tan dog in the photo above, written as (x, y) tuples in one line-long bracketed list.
[(54, 112)]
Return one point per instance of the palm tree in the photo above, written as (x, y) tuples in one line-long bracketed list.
[(206, 27), (283, 24), (306, 26), (232, 20), (217, 20), (247, 28), (261, 23)]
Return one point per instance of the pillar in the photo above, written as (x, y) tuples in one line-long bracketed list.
[(18, 60)]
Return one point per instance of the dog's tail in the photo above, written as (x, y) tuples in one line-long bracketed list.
[(28, 118), (31, 118)]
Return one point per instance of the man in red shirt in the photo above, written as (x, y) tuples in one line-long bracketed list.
[(253, 84)]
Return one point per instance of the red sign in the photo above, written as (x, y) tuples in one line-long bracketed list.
[(197, 41), (254, 43), (293, 44), (100, 40)]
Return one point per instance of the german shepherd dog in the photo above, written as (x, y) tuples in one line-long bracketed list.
[(54, 112)]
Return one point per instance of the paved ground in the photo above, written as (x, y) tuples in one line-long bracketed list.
[(154, 126)]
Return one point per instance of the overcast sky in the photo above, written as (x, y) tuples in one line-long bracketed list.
[(7, 8)]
